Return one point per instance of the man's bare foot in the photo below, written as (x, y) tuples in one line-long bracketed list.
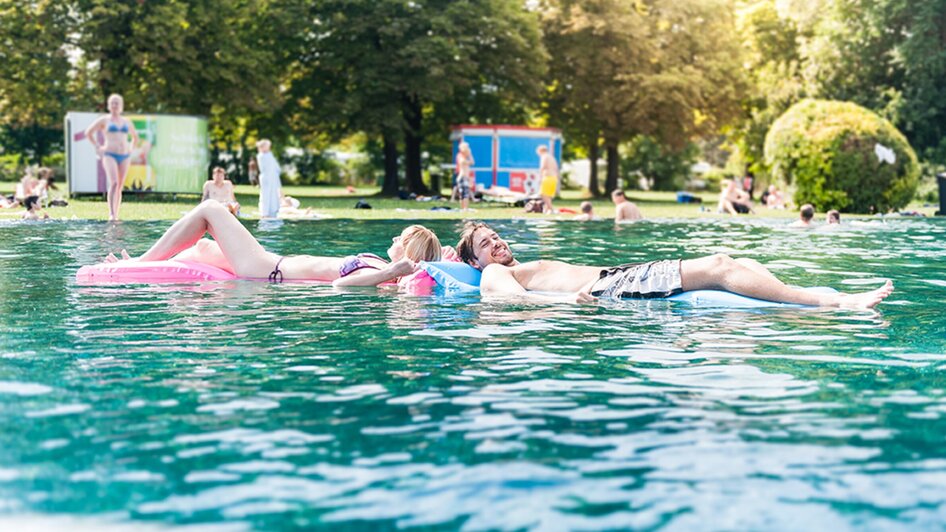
[(866, 299)]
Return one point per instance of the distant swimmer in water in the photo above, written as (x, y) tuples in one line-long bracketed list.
[(116, 150), (587, 213), (220, 189), (805, 215), (624, 210), (832, 221)]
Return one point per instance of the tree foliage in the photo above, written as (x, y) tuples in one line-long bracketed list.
[(387, 67), (663, 68), (34, 76)]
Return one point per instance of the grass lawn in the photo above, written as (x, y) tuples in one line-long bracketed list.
[(337, 203)]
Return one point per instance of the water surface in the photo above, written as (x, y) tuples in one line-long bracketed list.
[(254, 406)]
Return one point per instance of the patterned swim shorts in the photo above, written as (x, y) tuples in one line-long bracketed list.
[(645, 280), (463, 188)]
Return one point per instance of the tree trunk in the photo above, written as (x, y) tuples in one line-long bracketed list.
[(611, 182), (390, 185), (412, 145), (593, 156)]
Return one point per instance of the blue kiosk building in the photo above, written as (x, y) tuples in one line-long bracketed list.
[(505, 155)]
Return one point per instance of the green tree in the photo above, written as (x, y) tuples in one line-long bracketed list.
[(668, 69), (889, 56), (224, 59), (34, 76), (773, 58), (388, 66)]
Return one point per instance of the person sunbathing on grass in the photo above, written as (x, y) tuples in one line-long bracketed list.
[(483, 249), (235, 250)]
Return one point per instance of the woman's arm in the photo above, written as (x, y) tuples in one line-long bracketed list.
[(366, 277), (90, 134)]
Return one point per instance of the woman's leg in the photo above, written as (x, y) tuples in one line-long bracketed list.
[(206, 251), (122, 173), (721, 272), (241, 250), (111, 179)]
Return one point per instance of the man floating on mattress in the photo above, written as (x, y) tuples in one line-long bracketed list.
[(483, 249)]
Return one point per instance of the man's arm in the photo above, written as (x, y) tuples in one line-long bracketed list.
[(206, 194), (499, 280)]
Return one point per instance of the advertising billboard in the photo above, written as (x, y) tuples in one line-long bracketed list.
[(172, 155)]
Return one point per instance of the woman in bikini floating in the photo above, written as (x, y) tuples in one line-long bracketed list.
[(116, 150), (234, 249)]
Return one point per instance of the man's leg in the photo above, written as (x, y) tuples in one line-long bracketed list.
[(757, 267), (721, 272), (241, 250)]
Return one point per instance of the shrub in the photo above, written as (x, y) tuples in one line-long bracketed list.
[(10, 167), (827, 149)]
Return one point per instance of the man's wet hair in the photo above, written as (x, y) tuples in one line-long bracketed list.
[(465, 245), (586, 207), (807, 212), (617, 193), (833, 214), (30, 201)]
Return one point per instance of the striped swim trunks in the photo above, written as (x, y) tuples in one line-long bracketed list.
[(645, 280)]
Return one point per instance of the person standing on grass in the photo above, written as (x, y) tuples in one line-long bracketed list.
[(252, 172), (465, 175), (116, 150), (548, 177), (269, 185)]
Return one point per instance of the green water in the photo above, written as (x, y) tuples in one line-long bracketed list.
[(276, 407)]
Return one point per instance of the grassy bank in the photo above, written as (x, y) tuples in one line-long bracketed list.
[(338, 203)]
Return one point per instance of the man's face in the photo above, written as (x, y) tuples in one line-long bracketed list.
[(488, 248)]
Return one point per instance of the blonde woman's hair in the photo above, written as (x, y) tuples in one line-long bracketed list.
[(420, 243)]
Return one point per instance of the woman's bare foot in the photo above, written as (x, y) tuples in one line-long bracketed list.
[(866, 299), (112, 258)]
